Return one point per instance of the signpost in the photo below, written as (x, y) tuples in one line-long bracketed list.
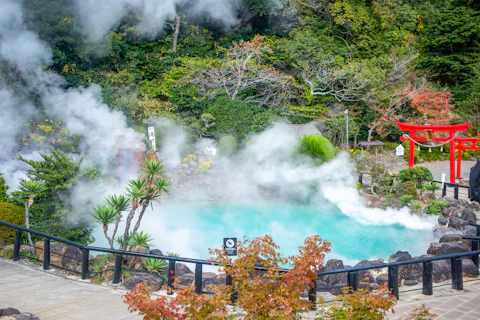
[(400, 150), (230, 246)]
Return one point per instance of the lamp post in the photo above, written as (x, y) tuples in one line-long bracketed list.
[(346, 138)]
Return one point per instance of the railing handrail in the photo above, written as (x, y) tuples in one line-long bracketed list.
[(400, 263), (451, 184), (42, 234)]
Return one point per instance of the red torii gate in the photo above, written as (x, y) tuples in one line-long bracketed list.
[(460, 146), (430, 137)]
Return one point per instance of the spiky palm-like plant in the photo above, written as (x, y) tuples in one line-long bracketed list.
[(140, 240), (119, 204), (105, 215), (30, 188)]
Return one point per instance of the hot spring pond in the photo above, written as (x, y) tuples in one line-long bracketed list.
[(190, 230)]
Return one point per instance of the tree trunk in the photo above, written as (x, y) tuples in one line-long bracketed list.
[(105, 232), (114, 233), (140, 216), (130, 216), (27, 224), (178, 19)]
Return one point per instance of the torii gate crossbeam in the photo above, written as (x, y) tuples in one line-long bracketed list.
[(450, 129)]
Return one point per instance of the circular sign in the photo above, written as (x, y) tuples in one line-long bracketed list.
[(230, 243)]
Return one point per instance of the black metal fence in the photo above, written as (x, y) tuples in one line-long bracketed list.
[(353, 279)]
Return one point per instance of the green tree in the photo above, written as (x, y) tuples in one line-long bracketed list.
[(30, 189), (3, 189), (54, 213)]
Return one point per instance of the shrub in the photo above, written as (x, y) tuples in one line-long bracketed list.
[(436, 206), (389, 196), (417, 174), (227, 146), (13, 214), (3, 189), (317, 147), (417, 207), (407, 187), (405, 199), (140, 240)]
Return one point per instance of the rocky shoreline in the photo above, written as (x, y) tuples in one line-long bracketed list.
[(452, 225)]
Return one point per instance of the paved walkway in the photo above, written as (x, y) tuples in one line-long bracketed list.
[(53, 297), (49, 296)]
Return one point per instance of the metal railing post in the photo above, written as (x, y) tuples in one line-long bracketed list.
[(46, 254), (353, 280), (312, 295), (16, 245), (427, 278), (85, 257), (229, 283), (475, 247), (171, 276), (455, 191), (393, 281), (117, 271), (198, 278), (444, 190), (457, 277)]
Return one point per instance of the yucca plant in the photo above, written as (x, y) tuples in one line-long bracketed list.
[(105, 215), (140, 240), (417, 207), (31, 189), (156, 265), (432, 187), (119, 204), (405, 199), (173, 254)]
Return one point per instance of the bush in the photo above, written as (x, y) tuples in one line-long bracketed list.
[(227, 146), (407, 188), (405, 199), (13, 214), (417, 174), (436, 206), (317, 147), (237, 118)]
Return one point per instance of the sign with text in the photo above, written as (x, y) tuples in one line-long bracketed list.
[(230, 246), (400, 150)]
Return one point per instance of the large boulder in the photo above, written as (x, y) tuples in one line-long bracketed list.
[(469, 269), (186, 279), (451, 237), (152, 282), (8, 312), (21, 316), (156, 252), (469, 231), (181, 268), (333, 279), (57, 250), (382, 279), (366, 276), (407, 272), (441, 270), (469, 216), (450, 248), (440, 231), (456, 222), (208, 283), (442, 220), (474, 205), (72, 259), (434, 246)]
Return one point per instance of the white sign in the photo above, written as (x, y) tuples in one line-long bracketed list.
[(151, 137), (400, 150)]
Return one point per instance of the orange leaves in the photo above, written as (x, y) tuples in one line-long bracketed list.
[(434, 105)]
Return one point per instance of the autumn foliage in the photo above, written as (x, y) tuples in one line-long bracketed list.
[(434, 105)]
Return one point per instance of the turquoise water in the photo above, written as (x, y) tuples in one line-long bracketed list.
[(191, 229)]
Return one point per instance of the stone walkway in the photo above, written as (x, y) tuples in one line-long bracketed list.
[(49, 296), (53, 297)]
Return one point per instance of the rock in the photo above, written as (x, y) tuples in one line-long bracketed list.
[(442, 220), (72, 259), (451, 201), (469, 216), (469, 231), (209, 282), (337, 289), (382, 279), (410, 283), (456, 222), (333, 279), (152, 282), (21, 316), (186, 279), (439, 232), (181, 268), (411, 271), (156, 252), (57, 250), (138, 263), (447, 212), (451, 237), (8, 312), (434, 246), (441, 270), (469, 269), (400, 256), (474, 205), (450, 248), (366, 275)]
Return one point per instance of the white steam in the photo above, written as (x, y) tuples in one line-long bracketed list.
[(99, 17)]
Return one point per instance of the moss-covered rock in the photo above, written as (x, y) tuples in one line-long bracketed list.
[(227, 146), (317, 147)]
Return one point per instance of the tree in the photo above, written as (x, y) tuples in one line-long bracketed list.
[(433, 105), (31, 189), (111, 213), (3, 189), (243, 76), (52, 207)]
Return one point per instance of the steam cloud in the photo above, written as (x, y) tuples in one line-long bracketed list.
[(99, 17)]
